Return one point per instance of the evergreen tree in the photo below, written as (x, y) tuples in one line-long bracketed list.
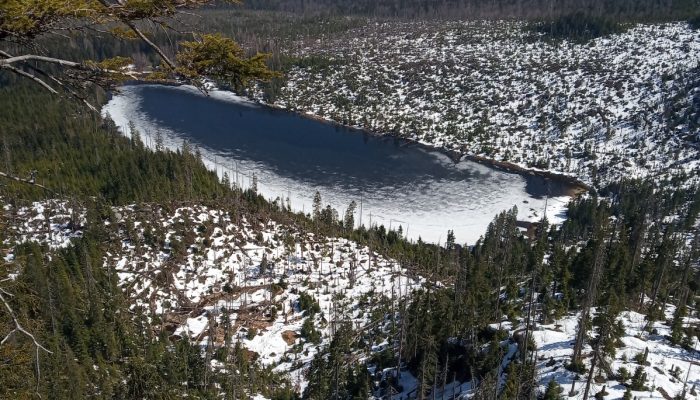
[(553, 391), (349, 218), (317, 206)]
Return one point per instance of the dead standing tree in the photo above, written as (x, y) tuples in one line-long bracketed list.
[(591, 294)]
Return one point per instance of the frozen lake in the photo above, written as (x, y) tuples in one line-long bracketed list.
[(397, 182)]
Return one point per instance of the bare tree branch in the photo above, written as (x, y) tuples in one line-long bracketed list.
[(5, 62), (18, 327), (30, 76), (143, 37), (33, 57), (151, 44), (67, 89), (41, 82), (27, 181)]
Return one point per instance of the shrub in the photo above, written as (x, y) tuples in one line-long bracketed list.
[(252, 333), (641, 358), (627, 395), (601, 395), (308, 304), (309, 332), (578, 27), (553, 391), (639, 380), (623, 375), (577, 367)]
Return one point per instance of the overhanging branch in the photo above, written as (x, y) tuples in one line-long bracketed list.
[(141, 35), (18, 327), (7, 56), (30, 76), (26, 181), (34, 57), (151, 44)]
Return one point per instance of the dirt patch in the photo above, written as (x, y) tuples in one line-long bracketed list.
[(261, 324), (251, 356), (289, 337)]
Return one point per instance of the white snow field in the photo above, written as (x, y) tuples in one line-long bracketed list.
[(206, 265), (618, 106), (668, 365)]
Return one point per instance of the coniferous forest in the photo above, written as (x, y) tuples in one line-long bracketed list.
[(99, 230)]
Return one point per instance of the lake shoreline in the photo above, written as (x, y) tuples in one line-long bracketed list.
[(404, 181), (578, 186)]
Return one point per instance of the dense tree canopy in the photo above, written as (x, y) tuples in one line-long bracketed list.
[(471, 9), (68, 331), (24, 24)]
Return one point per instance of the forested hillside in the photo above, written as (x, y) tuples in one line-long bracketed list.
[(61, 292), (651, 10), (598, 109), (129, 272), (125, 332)]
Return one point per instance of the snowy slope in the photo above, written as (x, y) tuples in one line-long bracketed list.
[(617, 106), (555, 347), (187, 267)]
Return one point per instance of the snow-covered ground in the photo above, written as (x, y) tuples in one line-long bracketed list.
[(53, 223), (337, 273), (186, 268), (555, 347), (618, 106)]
